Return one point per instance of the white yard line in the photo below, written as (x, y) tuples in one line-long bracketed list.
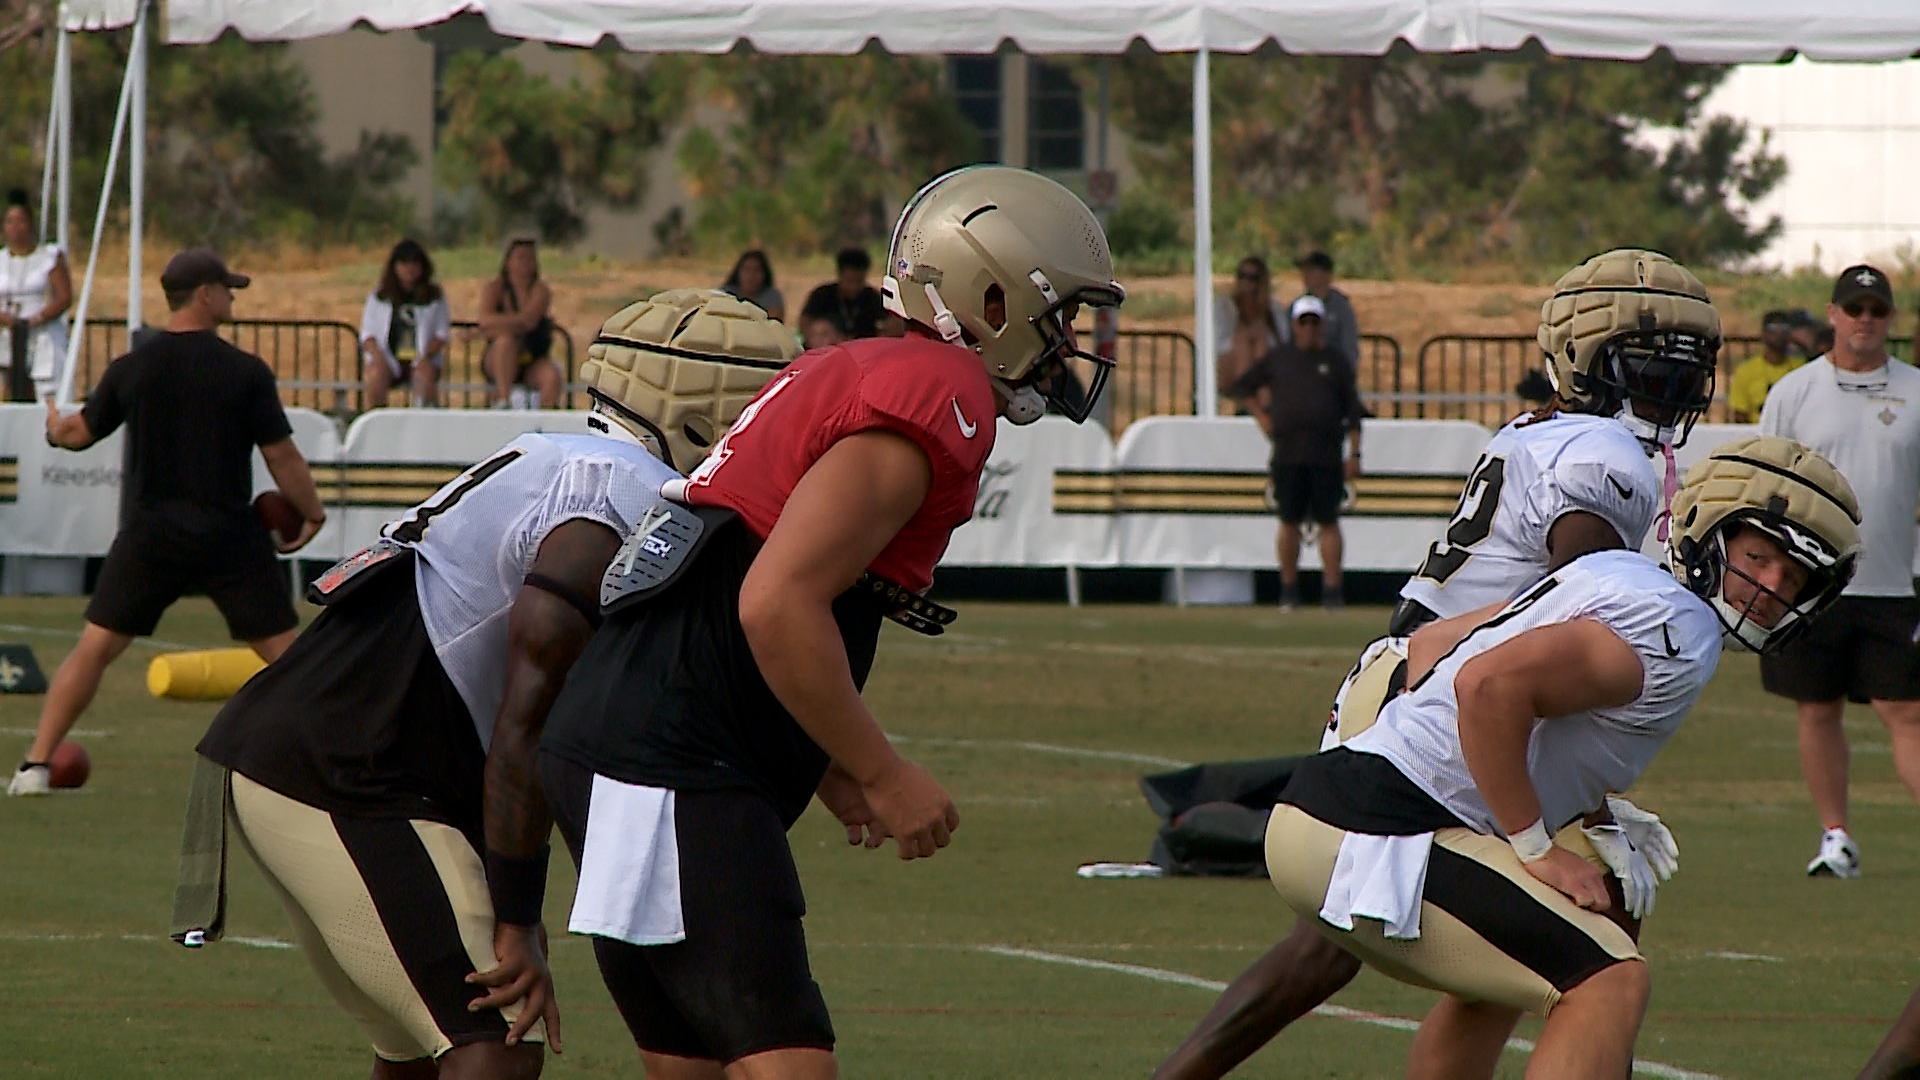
[(249, 942), (1046, 748), (74, 635), (1397, 1023)]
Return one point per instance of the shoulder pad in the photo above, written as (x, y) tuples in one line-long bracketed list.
[(659, 549)]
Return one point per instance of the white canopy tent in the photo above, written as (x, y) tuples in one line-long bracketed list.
[(1723, 31)]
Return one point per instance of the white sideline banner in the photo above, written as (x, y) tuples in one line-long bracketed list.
[(1178, 491)]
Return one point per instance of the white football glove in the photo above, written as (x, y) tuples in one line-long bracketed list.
[(1650, 837), (1637, 877)]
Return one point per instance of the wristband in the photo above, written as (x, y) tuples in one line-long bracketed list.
[(1532, 843), (518, 886)]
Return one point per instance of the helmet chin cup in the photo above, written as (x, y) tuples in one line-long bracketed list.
[(1024, 403), (1652, 436), (1741, 632)]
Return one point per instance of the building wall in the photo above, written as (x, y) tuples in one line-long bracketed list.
[(370, 82)]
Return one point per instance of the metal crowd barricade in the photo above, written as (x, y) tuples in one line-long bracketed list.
[(1379, 375), (318, 364), (1153, 376)]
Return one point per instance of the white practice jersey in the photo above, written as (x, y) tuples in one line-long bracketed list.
[(1531, 474), (476, 539), (1575, 760)]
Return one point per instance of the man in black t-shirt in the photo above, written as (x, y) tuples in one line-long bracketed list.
[(1312, 401), (194, 408), (850, 304)]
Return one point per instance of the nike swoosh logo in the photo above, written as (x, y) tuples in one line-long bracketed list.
[(965, 428), (1625, 493), (1668, 635)]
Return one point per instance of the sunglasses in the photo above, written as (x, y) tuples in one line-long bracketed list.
[(1247, 275), (1874, 310)]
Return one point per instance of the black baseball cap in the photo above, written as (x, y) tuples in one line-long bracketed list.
[(195, 267), (1316, 258), (1783, 320), (1857, 281)]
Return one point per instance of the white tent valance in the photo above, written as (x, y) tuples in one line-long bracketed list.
[(1708, 30)]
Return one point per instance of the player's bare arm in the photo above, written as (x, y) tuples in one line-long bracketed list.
[(546, 629), (841, 515), (288, 467), (1556, 670), (1578, 533)]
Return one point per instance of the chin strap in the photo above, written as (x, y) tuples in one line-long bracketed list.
[(1024, 403), (943, 320)]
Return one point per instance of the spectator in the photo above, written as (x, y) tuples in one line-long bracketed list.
[(1814, 337), (1311, 402), (1861, 409), (194, 408), (514, 316), (35, 292), (1757, 374), (819, 333), (1342, 332), (752, 281), (404, 328), (1248, 322), (848, 302)]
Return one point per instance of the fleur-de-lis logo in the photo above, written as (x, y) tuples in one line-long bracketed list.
[(1888, 416), (1865, 279)]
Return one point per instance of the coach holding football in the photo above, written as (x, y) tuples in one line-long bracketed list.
[(194, 407), (1861, 409)]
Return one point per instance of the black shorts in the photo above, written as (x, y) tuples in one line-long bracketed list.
[(146, 572), (1862, 649), (1315, 491), (739, 984)]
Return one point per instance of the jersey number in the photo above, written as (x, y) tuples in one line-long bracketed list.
[(414, 528), (1467, 529), (722, 451)]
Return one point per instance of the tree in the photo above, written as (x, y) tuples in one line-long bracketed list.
[(541, 153), (1409, 162), (232, 152), (820, 151)]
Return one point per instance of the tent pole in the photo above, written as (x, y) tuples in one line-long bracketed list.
[(1205, 395), (137, 168), (78, 337), (63, 63), (52, 141)]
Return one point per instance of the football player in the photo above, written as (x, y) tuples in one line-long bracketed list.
[(1424, 845), (1630, 340), (382, 773), (715, 704), (1898, 1057)]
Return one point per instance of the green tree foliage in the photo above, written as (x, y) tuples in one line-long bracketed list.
[(232, 153), (1410, 162), (818, 151), (540, 153)]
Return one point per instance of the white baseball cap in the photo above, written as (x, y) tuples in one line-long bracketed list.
[(1308, 305)]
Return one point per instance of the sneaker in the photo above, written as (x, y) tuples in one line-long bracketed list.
[(1289, 597), (31, 780), (1839, 856)]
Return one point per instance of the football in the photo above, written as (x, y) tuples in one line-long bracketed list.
[(69, 766), (279, 515)]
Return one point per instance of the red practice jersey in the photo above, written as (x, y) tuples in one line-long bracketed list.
[(936, 394)]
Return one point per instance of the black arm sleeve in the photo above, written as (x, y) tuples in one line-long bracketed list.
[(104, 411), (266, 417), (1251, 380)]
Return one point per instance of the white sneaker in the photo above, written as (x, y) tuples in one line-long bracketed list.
[(1839, 856), (30, 780)]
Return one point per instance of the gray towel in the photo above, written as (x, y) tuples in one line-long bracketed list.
[(200, 897)]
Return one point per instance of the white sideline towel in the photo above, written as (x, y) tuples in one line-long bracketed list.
[(629, 886), (1379, 877)]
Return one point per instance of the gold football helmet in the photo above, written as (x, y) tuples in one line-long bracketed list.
[(1632, 334), (1792, 495), (673, 371), (991, 233)]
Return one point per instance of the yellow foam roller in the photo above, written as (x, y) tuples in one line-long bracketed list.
[(207, 675)]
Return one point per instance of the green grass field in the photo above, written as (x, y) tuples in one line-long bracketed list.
[(1039, 720)]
